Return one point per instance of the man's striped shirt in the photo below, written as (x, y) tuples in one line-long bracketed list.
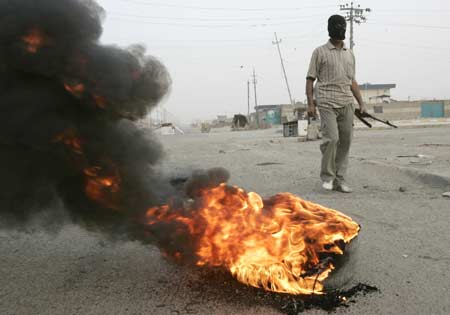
[(334, 70)]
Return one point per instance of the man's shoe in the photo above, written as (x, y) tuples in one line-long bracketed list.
[(327, 185), (343, 188)]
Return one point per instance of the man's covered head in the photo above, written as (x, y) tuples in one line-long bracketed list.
[(337, 27)]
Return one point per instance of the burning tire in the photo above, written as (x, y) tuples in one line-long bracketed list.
[(345, 266)]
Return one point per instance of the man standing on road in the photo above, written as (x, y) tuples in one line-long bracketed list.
[(333, 65)]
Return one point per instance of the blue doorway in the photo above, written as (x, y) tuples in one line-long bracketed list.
[(432, 109)]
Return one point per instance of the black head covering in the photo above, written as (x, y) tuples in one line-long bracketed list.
[(337, 27)]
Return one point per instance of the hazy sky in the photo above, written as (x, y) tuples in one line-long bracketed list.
[(211, 46)]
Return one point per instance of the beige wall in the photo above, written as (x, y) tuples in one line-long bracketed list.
[(405, 110), (287, 113), (370, 96)]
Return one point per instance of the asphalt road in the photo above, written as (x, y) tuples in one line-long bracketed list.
[(403, 246)]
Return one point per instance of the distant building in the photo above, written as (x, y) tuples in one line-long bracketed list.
[(222, 118), (222, 121), (269, 115), (376, 93), (406, 110)]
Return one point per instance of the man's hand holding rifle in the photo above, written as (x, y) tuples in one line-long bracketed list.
[(361, 112), (361, 115)]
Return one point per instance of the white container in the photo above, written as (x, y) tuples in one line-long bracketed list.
[(302, 128)]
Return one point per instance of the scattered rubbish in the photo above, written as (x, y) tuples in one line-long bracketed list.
[(421, 162), (222, 151), (402, 189), (446, 194), (418, 159), (366, 186), (405, 256), (434, 145), (420, 156), (434, 258), (268, 163)]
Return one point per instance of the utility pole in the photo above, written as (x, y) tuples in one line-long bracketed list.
[(256, 99), (254, 87), (248, 98), (354, 15), (277, 42)]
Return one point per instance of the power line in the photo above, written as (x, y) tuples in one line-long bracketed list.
[(253, 25), (120, 16), (247, 19), (413, 10), (415, 14), (414, 25), (155, 4), (403, 45), (431, 51), (226, 42), (308, 35)]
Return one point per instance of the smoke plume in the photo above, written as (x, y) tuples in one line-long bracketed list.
[(69, 149)]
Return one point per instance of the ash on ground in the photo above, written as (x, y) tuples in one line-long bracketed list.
[(221, 286)]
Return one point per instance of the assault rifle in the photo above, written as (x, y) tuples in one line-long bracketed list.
[(362, 115)]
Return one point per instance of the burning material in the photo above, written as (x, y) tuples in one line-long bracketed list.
[(76, 90), (282, 244), (100, 101), (70, 140), (34, 40), (103, 187)]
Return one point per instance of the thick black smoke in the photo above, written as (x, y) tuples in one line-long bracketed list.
[(68, 146)]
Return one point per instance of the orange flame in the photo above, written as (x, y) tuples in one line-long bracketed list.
[(76, 90), (34, 40), (102, 188), (283, 244), (100, 100), (70, 139), (102, 184)]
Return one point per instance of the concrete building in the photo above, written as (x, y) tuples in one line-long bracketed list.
[(376, 93), (269, 115), (404, 110)]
